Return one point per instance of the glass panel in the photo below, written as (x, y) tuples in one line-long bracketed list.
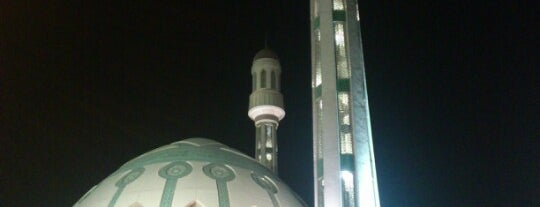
[(345, 123), (348, 186), (346, 143), (346, 119), (341, 52), (338, 5), (343, 101), (346, 148)]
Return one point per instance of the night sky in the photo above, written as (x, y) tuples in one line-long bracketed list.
[(85, 87)]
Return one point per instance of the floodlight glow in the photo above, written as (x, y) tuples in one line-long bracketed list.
[(339, 5), (348, 183)]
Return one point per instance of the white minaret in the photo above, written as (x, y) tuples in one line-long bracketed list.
[(266, 106)]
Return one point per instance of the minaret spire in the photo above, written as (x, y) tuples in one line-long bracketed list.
[(266, 106), (266, 40)]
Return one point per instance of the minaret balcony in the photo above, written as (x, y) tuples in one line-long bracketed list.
[(265, 97)]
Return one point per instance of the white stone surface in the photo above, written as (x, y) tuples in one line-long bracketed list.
[(147, 189)]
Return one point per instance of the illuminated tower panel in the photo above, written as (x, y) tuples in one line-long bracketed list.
[(343, 151)]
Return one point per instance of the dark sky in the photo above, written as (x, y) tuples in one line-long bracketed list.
[(85, 87)]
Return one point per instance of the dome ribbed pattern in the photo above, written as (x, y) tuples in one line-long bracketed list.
[(265, 53), (192, 171)]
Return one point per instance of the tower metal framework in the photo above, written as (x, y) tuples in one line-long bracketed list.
[(344, 163)]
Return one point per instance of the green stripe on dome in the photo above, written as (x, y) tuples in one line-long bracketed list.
[(172, 172), (222, 174), (268, 186), (207, 153), (123, 182)]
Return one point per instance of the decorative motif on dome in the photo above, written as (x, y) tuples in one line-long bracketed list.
[(178, 164), (123, 182), (130, 177), (175, 170), (267, 185), (219, 172), (264, 183), (172, 172), (201, 150), (222, 174)]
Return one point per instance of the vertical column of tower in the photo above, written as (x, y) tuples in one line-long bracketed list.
[(266, 106), (344, 172)]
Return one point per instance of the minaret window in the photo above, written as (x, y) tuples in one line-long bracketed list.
[(273, 80), (263, 79), (278, 85), (254, 82)]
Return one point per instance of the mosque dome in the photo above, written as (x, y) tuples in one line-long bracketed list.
[(194, 172), (265, 53)]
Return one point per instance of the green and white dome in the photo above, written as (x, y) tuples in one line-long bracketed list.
[(191, 173)]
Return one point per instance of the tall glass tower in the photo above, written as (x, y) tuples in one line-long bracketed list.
[(344, 172)]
